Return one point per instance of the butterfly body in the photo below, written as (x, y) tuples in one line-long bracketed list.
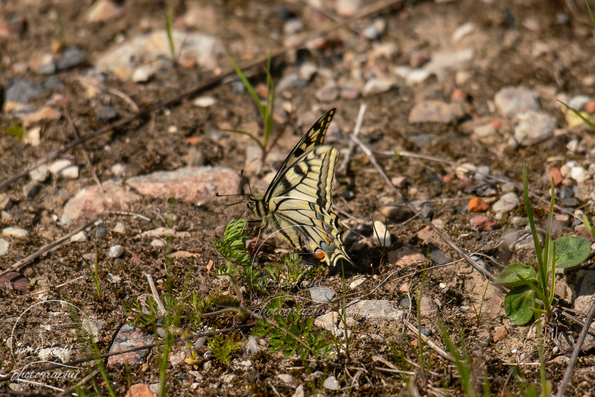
[(298, 203)]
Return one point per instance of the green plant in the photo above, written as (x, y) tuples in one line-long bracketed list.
[(289, 273), (463, 362), (169, 25), (478, 313), (266, 111), (222, 347), (293, 334), (532, 293), (16, 128), (94, 274)]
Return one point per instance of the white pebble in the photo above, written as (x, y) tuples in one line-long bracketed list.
[(15, 232), (579, 174), (59, 165), (79, 237), (116, 251), (66, 221), (3, 247), (40, 174), (71, 172), (204, 101), (157, 243), (119, 228), (381, 234)]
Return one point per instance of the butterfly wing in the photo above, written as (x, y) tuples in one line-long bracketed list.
[(300, 204), (314, 137)]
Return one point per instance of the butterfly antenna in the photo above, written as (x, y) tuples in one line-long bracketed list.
[(229, 195), (247, 181)]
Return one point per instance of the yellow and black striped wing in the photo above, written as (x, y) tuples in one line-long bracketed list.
[(309, 178), (314, 137), (294, 218)]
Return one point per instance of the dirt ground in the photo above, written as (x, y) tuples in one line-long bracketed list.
[(560, 65)]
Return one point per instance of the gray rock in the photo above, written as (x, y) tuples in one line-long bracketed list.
[(65, 220), (428, 308), (128, 337), (100, 232), (435, 112), (116, 251), (377, 86), (22, 91), (40, 174), (307, 70), (31, 189), (291, 81), (534, 127), (321, 294), (106, 113), (70, 58), (331, 383), (421, 140), (583, 290), (374, 310), (292, 26), (405, 303), (53, 83), (439, 256), (566, 192), (511, 101), (443, 61), (507, 203), (47, 65), (328, 92), (374, 30)]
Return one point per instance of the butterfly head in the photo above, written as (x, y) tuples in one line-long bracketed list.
[(256, 205)]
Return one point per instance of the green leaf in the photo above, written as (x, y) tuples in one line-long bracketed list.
[(570, 251), (518, 303), (247, 85), (509, 277)]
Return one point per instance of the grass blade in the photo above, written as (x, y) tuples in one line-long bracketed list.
[(247, 85)]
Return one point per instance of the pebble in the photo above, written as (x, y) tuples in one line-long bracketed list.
[(377, 86), (419, 58), (584, 289), (70, 58), (23, 91), (519, 221), (511, 101), (58, 165), (307, 70), (119, 228), (15, 281), (53, 83), (158, 243), (331, 383), (79, 237), (3, 247), (321, 294), (204, 101), (118, 169), (405, 256), (31, 189), (32, 137), (500, 334), (40, 174), (374, 310), (381, 234), (293, 26), (5, 202), (416, 76), (463, 30), (484, 131), (477, 205), (129, 336), (290, 81), (554, 174), (100, 232), (70, 172), (105, 113), (46, 113), (405, 303), (443, 61), (435, 112), (439, 256), (15, 232), (534, 127), (194, 185), (357, 283), (578, 102), (347, 8), (299, 392), (566, 192), (45, 64), (328, 92), (507, 203), (465, 170), (374, 30), (428, 308), (286, 378), (482, 223), (91, 201), (590, 107), (579, 174)]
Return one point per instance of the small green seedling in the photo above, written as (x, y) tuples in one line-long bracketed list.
[(16, 129), (532, 293), (222, 347), (266, 110)]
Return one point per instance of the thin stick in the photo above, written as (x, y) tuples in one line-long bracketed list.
[(575, 353), (128, 213), (358, 127), (48, 247), (434, 346), (442, 235), (85, 154), (208, 83), (82, 382), (155, 294), (124, 97), (69, 282)]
